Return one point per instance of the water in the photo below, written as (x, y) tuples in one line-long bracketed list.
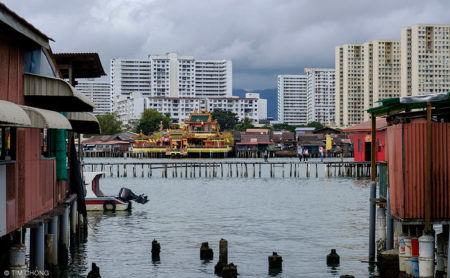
[(300, 218)]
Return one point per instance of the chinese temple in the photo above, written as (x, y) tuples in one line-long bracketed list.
[(198, 136)]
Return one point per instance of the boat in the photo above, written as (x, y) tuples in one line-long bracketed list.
[(97, 201)]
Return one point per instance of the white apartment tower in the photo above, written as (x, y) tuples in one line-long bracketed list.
[(425, 63), (349, 99), (292, 108), (99, 93), (381, 72), (213, 78), (129, 75), (182, 76), (320, 95)]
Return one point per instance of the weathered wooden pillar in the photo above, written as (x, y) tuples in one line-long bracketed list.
[(223, 257), (125, 170), (254, 170), (317, 172), (134, 170)]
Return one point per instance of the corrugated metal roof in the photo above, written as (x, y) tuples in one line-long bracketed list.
[(22, 26), (38, 86), (398, 104), (12, 114), (41, 118), (84, 122), (367, 126), (84, 65)]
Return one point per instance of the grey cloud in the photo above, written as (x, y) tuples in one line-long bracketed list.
[(263, 38)]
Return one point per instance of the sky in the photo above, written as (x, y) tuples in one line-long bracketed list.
[(263, 38)]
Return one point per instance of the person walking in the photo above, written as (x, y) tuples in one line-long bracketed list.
[(266, 155), (306, 154), (321, 153), (300, 153)]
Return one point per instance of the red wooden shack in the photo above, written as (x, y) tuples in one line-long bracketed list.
[(407, 143), (31, 89), (360, 135)]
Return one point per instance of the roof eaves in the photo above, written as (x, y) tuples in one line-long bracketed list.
[(22, 26)]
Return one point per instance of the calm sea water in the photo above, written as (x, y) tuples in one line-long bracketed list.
[(300, 218)]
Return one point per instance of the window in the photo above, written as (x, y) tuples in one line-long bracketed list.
[(48, 143), (7, 143), (379, 145), (37, 62)]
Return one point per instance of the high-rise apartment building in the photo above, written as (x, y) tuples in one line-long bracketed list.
[(129, 108), (130, 75), (213, 78), (99, 92), (292, 108), (320, 95), (349, 84), (381, 72), (261, 105), (425, 63), (169, 77), (180, 107)]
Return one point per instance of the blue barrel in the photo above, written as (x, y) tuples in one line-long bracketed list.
[(415, 267)]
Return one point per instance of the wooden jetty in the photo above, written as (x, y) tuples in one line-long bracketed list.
[(230, 169)]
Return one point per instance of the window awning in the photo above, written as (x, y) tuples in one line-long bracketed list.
[(54, 94), (41, 118), (12, 114), (84, 122)]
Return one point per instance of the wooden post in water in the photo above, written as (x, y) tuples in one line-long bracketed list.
[(125, 170), (290, 170), (111, 170), (237, 171), (317, 173), (282, 173), (246, 170), (142, 170), (254, 170), (259, 170), (295, 170), (221, 169), (134, 170)]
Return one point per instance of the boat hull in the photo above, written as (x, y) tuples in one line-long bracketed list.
[(106, 204)]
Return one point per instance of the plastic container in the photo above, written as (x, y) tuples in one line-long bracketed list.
[(415, 267), (408, 249), (17, 255), (401, 244), (414, 247), (426, 267), (408, 268), (402, 263), (426, 246)]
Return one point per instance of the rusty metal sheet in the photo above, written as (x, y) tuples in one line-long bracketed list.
[(406, 156), (395, 153)]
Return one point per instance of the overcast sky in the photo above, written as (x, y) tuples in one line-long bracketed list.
[(263, 38)]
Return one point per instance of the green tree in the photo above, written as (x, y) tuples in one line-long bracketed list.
[(226, 119), (246, 123), (316, 125), (109, 123), (150, 121)]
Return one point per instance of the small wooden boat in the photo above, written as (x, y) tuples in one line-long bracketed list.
[(96, 200)]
